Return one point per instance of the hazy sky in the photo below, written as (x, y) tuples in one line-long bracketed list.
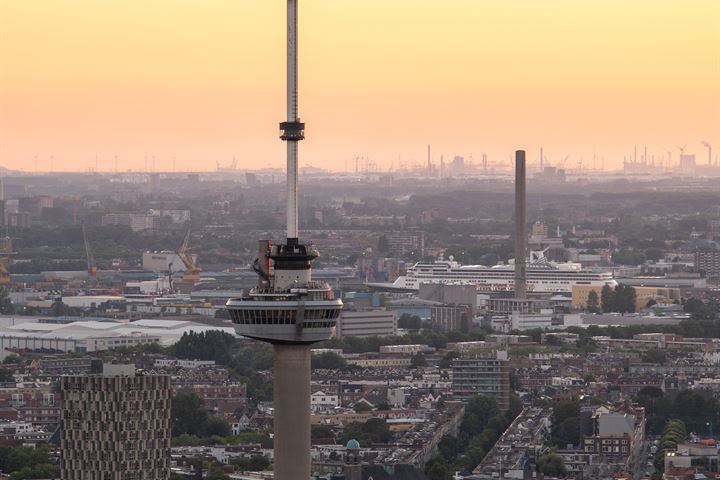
[(203, 80)]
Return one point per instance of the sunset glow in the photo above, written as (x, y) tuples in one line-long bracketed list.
[(193, 83)]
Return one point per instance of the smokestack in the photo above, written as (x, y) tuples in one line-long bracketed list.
[(429, 161), (520, 254)]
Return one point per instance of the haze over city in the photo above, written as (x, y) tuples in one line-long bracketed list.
[(191, 84), (496, 255)]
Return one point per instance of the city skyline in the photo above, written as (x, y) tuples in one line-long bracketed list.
[(84, 84)]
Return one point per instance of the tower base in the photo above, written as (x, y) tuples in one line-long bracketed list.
[(291, 402)]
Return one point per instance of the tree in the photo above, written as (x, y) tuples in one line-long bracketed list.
[(210, 345), (437, 468), (418, 360), (552, 464), (607, 299), (464, 323), (449, 447), (329, 361), (218, 426), (321, 432), (622, 299), (24, 461), (375, 430), (188, 414), (42, 470), (258, 463), (361, 407), (6, 375), (479, 410), (566, 423), (12, 358), (593, 302), (625, 298), (383, 244), (446, 361), (217, 476), (6, 306), (409, 322), (654, 355)]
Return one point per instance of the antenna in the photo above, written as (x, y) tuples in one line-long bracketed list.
[(292, 130)]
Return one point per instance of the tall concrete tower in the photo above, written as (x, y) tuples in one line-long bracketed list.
[(520, 238), (287, 308)]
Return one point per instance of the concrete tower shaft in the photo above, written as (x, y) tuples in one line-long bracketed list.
[(291, 412)]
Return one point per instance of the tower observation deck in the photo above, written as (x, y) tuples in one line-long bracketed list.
[(287, 308)]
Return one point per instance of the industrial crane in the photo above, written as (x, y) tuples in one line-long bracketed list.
[(91, 266), (4, 260), (192, 271)]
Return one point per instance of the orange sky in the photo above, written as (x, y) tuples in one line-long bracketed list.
[(203, 81)]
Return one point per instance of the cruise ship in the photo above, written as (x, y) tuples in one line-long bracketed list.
[(543, 276)]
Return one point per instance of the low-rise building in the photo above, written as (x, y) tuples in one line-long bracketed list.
[(700, 456), (322, 402), (367, 323)]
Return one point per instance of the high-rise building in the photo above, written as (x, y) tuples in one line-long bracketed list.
[(539, 229), (708, 262), (487, 375), (115, 426), (403, 242)]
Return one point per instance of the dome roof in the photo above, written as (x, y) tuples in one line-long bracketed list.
[(353, 445)]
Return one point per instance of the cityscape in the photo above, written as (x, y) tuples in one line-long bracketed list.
[(527, 312)]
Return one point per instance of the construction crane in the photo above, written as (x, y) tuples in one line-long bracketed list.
[(91, 266), (192, 271)]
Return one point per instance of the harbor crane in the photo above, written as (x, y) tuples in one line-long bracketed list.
[(192, 271), (5, 259), (91, 266)]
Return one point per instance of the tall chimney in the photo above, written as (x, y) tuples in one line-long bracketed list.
[(520, 254)]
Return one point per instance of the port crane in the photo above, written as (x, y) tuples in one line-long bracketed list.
[(5, 259), (192, 271), (91, 266)]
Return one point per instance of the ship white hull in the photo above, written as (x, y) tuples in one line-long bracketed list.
[(561, 284)]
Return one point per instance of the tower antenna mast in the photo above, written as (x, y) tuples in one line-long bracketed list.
[(292, 130)]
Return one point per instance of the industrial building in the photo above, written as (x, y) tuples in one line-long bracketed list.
[(659, 294), (93, 336), (162, 262), (136, 221)]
